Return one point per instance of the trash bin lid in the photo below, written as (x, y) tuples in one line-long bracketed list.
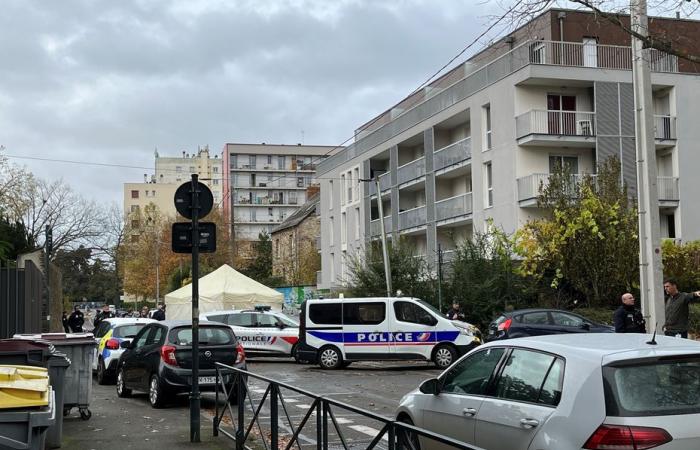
[(58, 339), (24, 344), (23, 386)]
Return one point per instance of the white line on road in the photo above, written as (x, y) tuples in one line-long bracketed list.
[(368, 431)]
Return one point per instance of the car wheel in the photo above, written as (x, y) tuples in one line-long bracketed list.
[(102, 377), (294, 354), (122, 390), (407, 439), (330, 358), (444, 356), (156, 395)]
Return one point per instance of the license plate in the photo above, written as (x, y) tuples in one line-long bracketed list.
[(207, 380)]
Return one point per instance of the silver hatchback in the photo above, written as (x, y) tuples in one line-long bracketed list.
[(566, 392)]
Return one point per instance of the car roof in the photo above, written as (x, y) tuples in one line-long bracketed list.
[(180, 323), (604, 347), (531, 310), (239, 311), (128, 320), (321, 300)]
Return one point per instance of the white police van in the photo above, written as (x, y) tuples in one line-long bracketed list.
[(335, 332)]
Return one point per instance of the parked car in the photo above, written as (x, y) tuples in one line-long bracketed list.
[(541, 322), (261, 331), (565, 392), (159, 359), (109, 335)]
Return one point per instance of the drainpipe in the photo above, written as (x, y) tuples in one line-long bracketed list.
[(561, 17)]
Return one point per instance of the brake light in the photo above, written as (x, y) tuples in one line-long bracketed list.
[(167, 354), (621, 437), (240, 353), (503, 326), (112, 344)]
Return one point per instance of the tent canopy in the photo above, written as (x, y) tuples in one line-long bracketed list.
[(224, 288)]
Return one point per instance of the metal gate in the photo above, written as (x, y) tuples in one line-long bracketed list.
[(21, 299)]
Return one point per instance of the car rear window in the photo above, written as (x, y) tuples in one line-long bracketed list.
[(127, 331), (659, 387), (207, 336)]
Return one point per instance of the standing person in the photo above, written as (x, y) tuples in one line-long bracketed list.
[(76, 320), (677, 310), (455, 313), (144, 312), (628, 318), (106, 313), (160, 312), (64, 321)]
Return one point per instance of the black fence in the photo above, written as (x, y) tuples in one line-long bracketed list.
[(21, 299), (284, 434)]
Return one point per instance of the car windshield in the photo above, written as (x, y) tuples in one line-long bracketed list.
[(288, 321), (665, 386), (127, 331), (207, 336)]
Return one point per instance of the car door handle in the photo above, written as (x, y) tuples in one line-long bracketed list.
[(529, 423), (469, 412)]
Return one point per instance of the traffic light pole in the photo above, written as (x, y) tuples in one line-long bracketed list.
[(195, 395)]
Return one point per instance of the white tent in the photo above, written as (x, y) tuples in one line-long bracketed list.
[(224, 288)]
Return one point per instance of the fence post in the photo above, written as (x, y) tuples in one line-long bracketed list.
[(215, 422), (319, 425), (274, 389), (392, 436), (325, 425), (240, 402)]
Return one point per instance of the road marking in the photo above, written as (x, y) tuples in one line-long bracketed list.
[(291, 400), (302, 406), (259, 391), (343, 421), (368, 431)]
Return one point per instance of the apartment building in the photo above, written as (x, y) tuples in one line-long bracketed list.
[(477, 143), (265, 185), (178, 169)]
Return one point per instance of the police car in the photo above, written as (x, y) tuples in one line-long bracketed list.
[(261, 331), (109, 335)]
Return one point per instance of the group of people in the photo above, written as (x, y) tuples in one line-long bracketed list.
[(74, 322), (629, 319)]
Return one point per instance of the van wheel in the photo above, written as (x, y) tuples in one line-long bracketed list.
[(444, 355), (122, 390), (330, 358)]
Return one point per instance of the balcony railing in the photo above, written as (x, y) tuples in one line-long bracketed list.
[(384, 183), (375, 226), (555, 122), (664, 127), (458, 205), (452, 154), (667, 188), (412, 218), (411, 171)]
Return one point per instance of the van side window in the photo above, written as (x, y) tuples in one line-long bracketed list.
[(364, 313), (326, 314), (412, 313)]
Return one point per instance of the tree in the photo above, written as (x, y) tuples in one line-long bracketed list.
[(260, 268), (682, 263), (590, 241), (13, 239), (85, 276)]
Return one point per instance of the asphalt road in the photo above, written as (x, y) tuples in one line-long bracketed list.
[(132, 424)]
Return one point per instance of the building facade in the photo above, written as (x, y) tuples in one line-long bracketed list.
[(474, 146), (265, 184)]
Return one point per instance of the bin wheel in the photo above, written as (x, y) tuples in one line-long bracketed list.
[(85, 414)]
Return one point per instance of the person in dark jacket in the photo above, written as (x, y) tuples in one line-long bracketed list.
[(159, 314), (455, 313), (64, 321), (677, 309), (76, 320), (628, 318), (106, 313)]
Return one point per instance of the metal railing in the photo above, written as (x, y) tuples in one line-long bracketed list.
[(555, 122), (411, 170), (664, 127), (452, 154), (375, 226), (284, 433), (414, 217), (458, 205), (667, 188), (530, 186)]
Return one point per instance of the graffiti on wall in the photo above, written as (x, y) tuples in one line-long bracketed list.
[(294, 295)]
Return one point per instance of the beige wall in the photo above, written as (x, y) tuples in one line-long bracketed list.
[(291, 248), (161, 195)]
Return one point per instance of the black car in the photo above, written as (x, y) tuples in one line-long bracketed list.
[(540, 322), (159, 359)]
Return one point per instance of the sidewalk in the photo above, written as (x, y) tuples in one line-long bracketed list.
[(131, 423)]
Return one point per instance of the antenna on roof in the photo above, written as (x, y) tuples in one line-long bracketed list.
[(653, 337)]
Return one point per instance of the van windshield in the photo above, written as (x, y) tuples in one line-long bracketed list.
[(430, 307)]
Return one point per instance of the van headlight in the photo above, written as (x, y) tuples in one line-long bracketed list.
[(469, 330)]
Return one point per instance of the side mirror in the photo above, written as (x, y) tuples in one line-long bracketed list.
[(431, 386), (125, 345)]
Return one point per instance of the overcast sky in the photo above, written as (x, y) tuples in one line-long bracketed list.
[(109, 81)]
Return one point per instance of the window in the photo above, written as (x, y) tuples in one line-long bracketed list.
[(537, 318), (357, 223), (292, 198), (472, 375), (332, 266), (253, 161), (102, 329), (326, 313), (300, 181), (241, 320), (364, 313), (140, 339), (135, 223), (280, 162), (349, 186), (156, 336), (216, 169), (343, 229), (266, 320), (525, 374), (412, 313), (269, 161), (192, 169), (356, 184), (330, 230), (487, 127), (330, 194), (134, 194), (208, 335), (567, 320), (342, 189), (565, 163), (488, 178), (216, 181), (126, 331)]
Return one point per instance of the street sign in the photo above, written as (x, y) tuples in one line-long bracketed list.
[(182, 237), (183, 200)]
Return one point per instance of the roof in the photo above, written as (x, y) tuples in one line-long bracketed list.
[(128, 320), (180, 323), (300, 214)]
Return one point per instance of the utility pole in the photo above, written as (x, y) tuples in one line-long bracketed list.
[(194, 394), (385, 251), (650, 272), (48, 248), (439, 277)]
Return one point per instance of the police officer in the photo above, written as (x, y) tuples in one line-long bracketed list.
[(106, 313), (64, 321), (76, 320), (628, 318), (455, 313)]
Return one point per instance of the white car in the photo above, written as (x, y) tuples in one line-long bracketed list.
[(565, 392), (260, 331), (109, 335)]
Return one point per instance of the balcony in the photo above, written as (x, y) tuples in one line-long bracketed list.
[(669, 193), (375, 228), (453, 207), (384, 184), (411, 171), (452, 154), (665, 131), (412, 218), (554, 128)]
